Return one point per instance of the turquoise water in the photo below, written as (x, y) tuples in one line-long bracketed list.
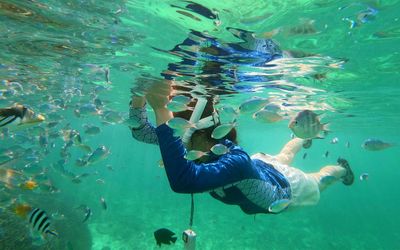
[(58, 51)]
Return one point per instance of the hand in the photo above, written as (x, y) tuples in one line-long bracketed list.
[(138, 101), (158, 94), (158, 97)]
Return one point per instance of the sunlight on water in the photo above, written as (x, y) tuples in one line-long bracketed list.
[(77, 62)]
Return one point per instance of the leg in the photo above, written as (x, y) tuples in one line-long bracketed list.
[(289, 151), (330, 174)]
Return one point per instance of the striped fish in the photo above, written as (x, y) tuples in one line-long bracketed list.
[(306, 125), (40, 222)]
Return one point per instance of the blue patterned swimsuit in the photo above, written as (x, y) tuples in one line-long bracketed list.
[(233, 178)]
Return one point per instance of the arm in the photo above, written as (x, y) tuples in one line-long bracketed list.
[(143, 130), (189, 177)]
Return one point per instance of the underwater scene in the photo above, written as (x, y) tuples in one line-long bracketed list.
[(180, 124)]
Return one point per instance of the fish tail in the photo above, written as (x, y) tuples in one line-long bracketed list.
[(52, 232), (174, 239), (325, 127)]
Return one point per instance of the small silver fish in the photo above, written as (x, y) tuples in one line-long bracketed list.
[(279, 205), (103, 203), (179, 123), (306, 125), (194, 155), (177, 106), (219, 149), (252, 105), (347, 144), (267, 116), (181, 99), (107, 75), (364, 176), (334, 140), (91, 129), (98, 154), (222, 130), (376, 145)]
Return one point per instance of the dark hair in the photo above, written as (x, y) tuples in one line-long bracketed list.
[(208, 110)]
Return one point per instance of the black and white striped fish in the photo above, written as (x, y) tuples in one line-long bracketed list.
[(306, 125), (40, 221)]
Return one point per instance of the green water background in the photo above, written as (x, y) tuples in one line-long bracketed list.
[(363, 216)]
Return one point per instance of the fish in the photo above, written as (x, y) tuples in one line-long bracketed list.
[(73, 137), (219, 149), (26, 116), (222, 130), (180, 124), (107, 75), (334, 140), (87, 211), (177, 106), (304, 155), (103, 203), (376, 145), (364, 176), (164, 236), (98, 154), (29, 185), (112, 117), (100, 181), (194, 155), (267, 116), (279, 205), (181, 99), (347, 144), (91, 129), (40, 222), (326, 154), (87, 109), (252, 105), (306, 125)]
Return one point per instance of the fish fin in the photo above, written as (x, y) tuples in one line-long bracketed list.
[(325, 127)]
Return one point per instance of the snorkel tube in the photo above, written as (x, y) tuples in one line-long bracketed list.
[(195, 119)]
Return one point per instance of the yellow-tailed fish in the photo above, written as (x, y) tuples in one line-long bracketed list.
[(278, 206), (194, 155)]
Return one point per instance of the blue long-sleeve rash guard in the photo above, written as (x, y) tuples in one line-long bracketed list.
[(233, 178)]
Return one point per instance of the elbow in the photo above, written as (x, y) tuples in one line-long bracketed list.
[(179, 188)]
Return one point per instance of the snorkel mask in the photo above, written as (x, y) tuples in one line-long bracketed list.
[(206, 122)]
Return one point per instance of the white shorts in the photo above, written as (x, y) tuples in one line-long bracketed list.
[(305, 190)]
